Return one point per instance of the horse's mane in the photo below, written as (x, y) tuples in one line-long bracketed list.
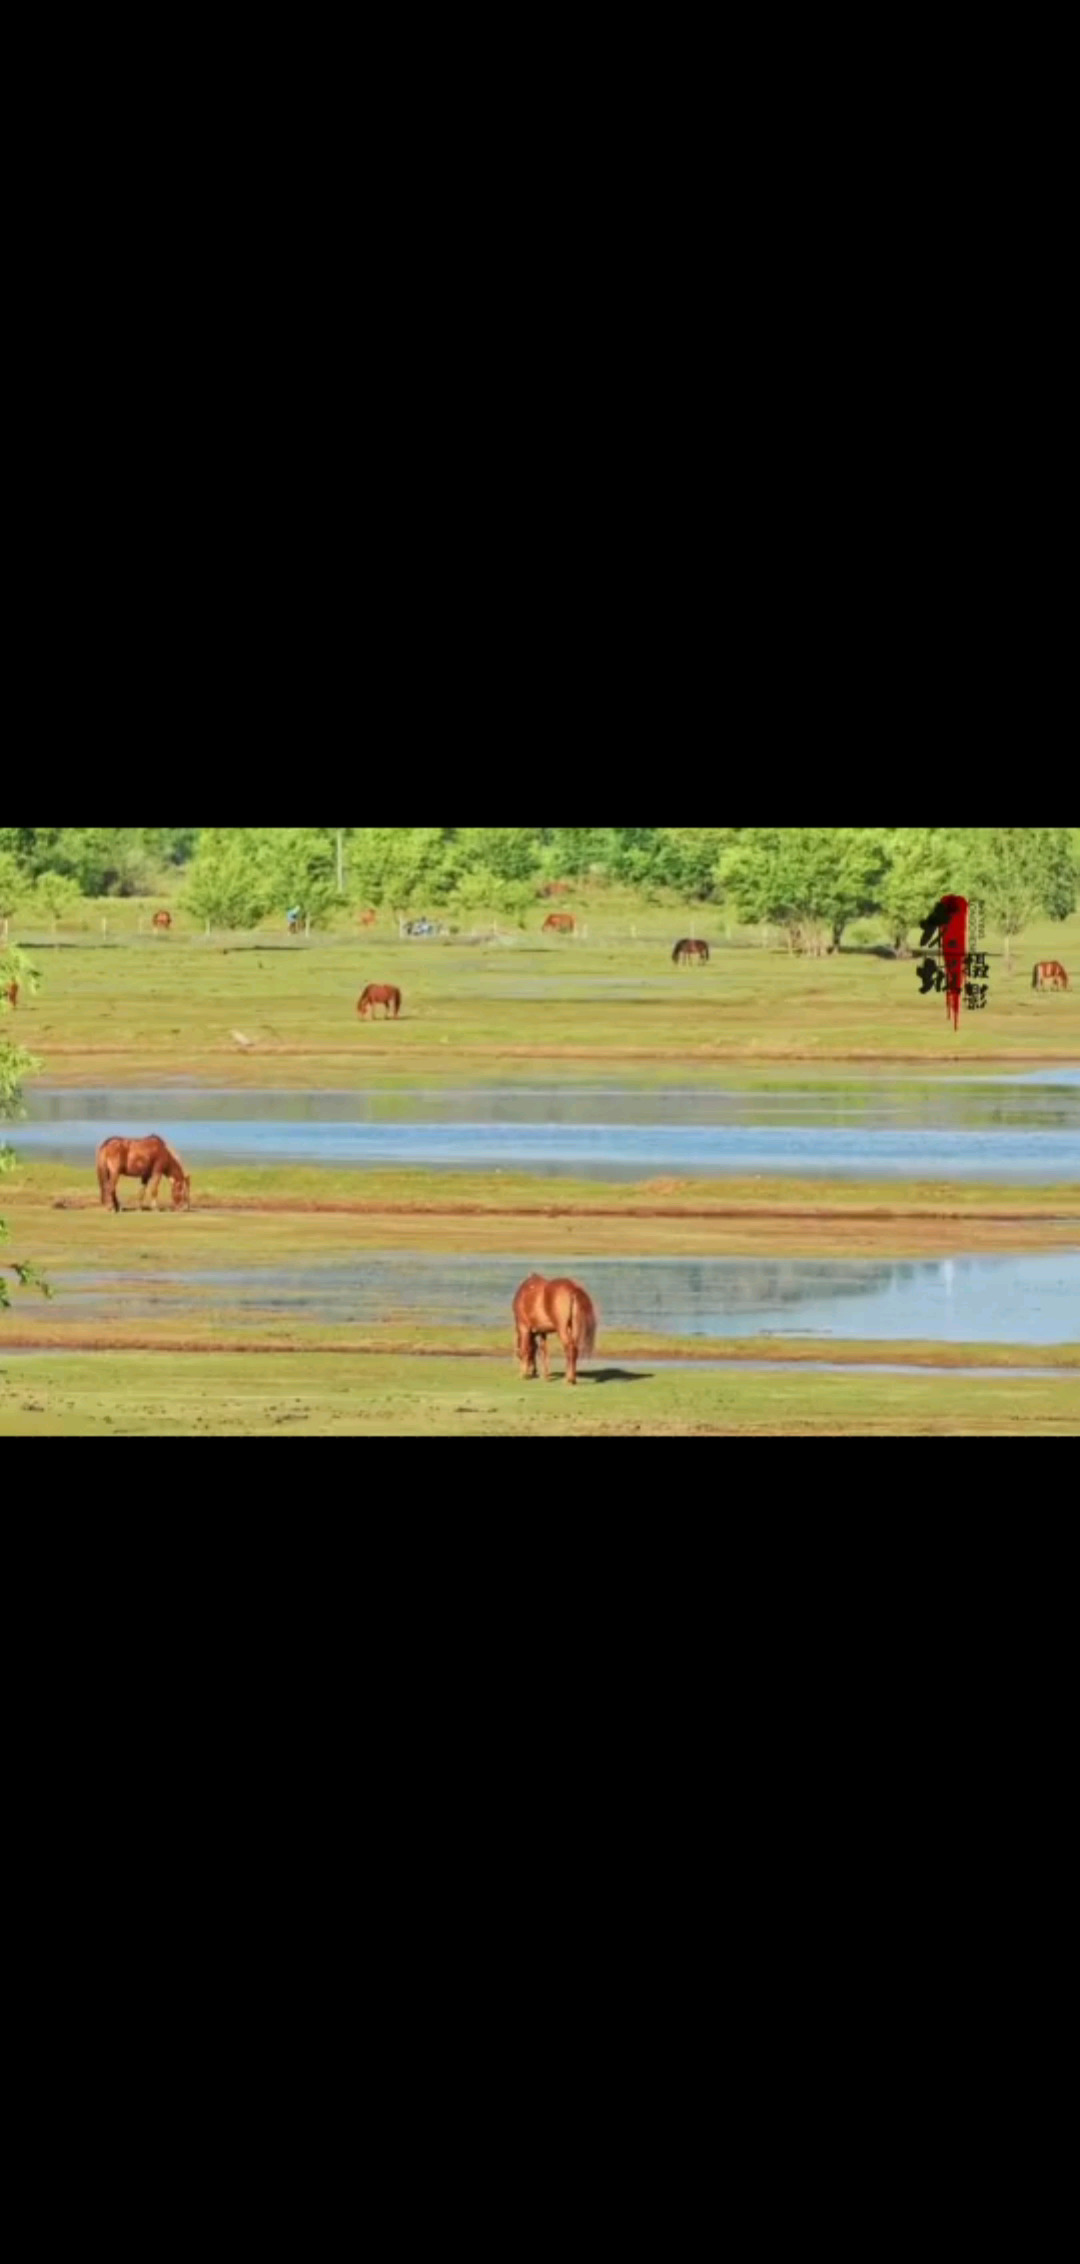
[(171, 1155)]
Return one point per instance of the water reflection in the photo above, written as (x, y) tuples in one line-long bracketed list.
[(1015, 1299), (880, 1127), (609, 1151), (884, 1103)]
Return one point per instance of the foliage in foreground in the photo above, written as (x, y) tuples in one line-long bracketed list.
[(15, 1064)]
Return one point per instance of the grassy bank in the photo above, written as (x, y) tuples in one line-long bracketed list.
[(277, 1216), (262, 1010), (35, 1328), (305, 1393)]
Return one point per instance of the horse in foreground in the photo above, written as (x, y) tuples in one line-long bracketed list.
[(379, 994), (1049, 974), (687, 949), (11, 992), (150, 1160), (163, 920), (553, 1308), (559, 923)]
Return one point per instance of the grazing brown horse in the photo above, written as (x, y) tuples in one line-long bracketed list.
[(559, 923), (150, 1160), (163, 919), (556, 888), (553, 1308), (368, 919), (11, 992), (379, 994), (687, 949), (1049, 974)]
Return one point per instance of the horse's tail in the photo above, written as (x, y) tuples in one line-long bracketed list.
[(1035, 976), (583, 1324)]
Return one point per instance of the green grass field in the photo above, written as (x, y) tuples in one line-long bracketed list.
[(127, 1009), (267, 1010), (355, 1395)]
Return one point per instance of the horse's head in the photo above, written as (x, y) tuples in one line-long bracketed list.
[(181, 1191)]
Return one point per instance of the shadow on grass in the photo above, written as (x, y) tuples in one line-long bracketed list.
[(616, 1376)]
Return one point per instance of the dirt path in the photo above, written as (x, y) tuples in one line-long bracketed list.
[(746, 1055), (865, 1356), (809, 1213)]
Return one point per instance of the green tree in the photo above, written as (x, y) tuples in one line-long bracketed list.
[(407, 868), (1059, 873), (571, 851), (750, 872), (689, 859), (924, 864), (477, 892), (808, 880), (1008, 872), (104, 860), (170, 844), (228, 885), (56, 895), (507, 853), (14, 884), (28, 844), (300, 863)]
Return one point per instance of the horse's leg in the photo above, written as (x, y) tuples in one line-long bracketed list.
[(570, 1348), (114, 1183), (153, 1181), (543, 1344)]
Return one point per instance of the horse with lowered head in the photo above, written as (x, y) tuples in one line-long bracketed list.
[(150, 1160), (1049, 974), (379, 994), (553, 1308), (690, 947)]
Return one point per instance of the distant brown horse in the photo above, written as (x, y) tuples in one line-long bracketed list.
[(553, 1308), (379, 994), (368, 919), (163, 919), (150, 1160), (559, 923), (556, 888), (1049, 974), (11, 992), (687, 949)]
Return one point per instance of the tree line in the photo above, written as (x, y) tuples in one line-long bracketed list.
[(809, 883)]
